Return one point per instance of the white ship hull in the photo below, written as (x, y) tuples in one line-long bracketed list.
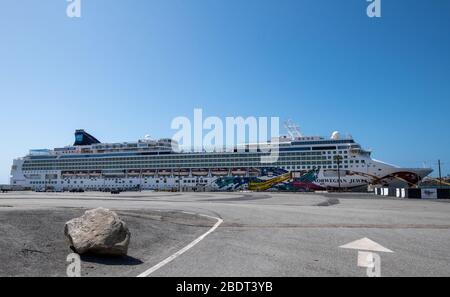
[(303, 165)]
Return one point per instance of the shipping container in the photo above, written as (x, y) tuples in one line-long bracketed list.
[(443, 193), (414, 193)]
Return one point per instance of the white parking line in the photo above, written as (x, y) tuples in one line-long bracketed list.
[(186, 248)]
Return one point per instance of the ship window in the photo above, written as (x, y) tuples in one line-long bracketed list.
[(319, 148)]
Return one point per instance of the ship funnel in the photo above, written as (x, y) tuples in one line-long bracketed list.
[(84, 138)]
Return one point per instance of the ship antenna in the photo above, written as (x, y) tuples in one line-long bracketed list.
[(293, 129)]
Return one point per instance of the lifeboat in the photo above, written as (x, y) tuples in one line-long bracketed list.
[(199, 172), (181, 172), (113, 174), (219, 172), (133, 172), (164, 172), (254, 172), (238, 171), (67, 173), (148, 172)]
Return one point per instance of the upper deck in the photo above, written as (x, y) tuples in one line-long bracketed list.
[(166, 146)]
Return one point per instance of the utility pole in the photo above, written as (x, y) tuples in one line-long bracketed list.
[(440, 174)]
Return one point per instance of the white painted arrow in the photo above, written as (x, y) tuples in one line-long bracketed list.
[(365, 244)]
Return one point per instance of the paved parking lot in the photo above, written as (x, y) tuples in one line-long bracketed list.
[(260, 234)]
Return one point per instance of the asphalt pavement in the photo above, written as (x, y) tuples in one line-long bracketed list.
[(260, 234)]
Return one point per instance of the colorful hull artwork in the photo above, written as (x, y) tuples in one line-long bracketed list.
[(276, 179)]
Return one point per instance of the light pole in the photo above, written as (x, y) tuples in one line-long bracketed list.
[(338, 159), (140, 178)]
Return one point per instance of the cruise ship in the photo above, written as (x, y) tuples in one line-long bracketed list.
[(305, 163)]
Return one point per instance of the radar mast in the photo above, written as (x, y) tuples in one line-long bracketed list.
[(293, 129)]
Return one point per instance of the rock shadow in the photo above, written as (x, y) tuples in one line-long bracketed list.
[(111, 260)]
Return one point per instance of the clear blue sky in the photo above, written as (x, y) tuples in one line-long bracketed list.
[(127, 68)]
